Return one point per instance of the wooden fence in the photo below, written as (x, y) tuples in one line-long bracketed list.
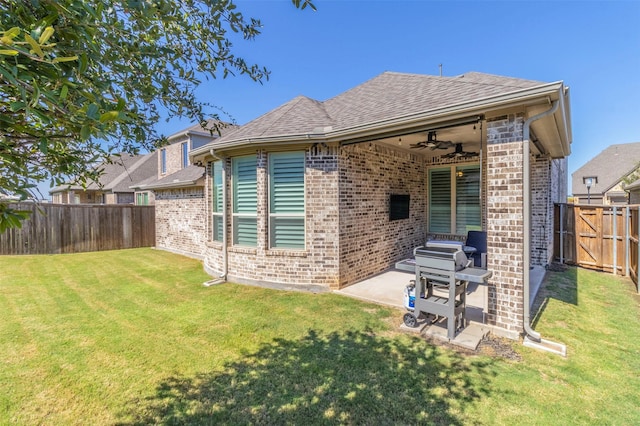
[(73, 228), (604, 238)]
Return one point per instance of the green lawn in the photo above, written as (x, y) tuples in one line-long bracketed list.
[(132, 337)]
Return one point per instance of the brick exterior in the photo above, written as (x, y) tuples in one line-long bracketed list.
[(369, 242), (541, 211), (181, 220), (174, 158), (316, 267), (348, 233), (505, 211)]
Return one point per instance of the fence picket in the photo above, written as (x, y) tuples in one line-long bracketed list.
[(73, 228)]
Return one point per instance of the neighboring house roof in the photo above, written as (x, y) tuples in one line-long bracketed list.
[(384, 97), (633, 186), (189, 176), (119, 174), (610, 166)]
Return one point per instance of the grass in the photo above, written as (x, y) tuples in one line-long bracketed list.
[(132, 337)]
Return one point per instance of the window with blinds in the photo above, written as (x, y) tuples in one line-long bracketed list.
[(286, 200), (163, 161), (245, 201), (440, 200), (185, 155), (217, 201), (454, 199), (467, 199)]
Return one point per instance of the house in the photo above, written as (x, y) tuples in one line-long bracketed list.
[(319, 195), (177, 189), (602, 179), (119, 174)]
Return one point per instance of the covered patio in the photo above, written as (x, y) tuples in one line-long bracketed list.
[(388, 288)]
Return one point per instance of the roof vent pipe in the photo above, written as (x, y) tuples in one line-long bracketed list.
[(532, 338)]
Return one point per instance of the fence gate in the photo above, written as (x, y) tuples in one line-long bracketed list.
[(593, 236)]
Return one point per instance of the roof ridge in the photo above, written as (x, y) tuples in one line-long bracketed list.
[(143, 159)]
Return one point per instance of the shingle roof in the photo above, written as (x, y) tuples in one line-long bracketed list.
[(610, 166), (184, 177), (119, 173), (389, 95)]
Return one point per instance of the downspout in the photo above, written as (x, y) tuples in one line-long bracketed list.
[(532, 337), (225, 254)]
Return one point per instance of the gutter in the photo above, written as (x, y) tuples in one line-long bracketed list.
[(222, 278), (532, 338), (416, 121)]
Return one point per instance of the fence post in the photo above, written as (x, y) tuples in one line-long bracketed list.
[(627, 253), (615, 240), (561, 233)]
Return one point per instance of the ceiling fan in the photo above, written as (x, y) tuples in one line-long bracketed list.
[(459, 153), (432, 143)]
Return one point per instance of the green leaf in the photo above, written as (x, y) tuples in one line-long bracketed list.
[(109, 116), (92, 111), (34, 45), (44, 146), (46, 35), (85, 132), (64, 92), (9, 52), (17, 106), (64, 59)]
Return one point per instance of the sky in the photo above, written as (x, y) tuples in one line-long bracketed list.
[(593, 46)]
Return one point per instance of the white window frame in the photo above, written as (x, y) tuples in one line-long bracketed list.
[(185, 154), (163, 161)]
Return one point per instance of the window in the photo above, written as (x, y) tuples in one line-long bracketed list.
[(286, 200), (245, 201), (163, 161), (185, 155), (217, 201), (142, 198), (454, 199)]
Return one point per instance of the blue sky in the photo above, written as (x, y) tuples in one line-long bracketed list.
[(593, 46)]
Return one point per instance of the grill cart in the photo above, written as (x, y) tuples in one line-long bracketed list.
[(442, 273)]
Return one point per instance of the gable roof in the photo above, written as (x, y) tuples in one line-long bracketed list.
[(610, 166), (119, 173), (388, 96), (189, 176)]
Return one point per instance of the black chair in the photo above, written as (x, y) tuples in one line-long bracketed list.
[(477, 239)]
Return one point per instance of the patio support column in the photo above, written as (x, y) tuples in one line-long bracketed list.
[(505, 232)]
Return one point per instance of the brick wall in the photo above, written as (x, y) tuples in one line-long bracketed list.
[(181, 220), (174, 158), (315, 267), (541, 211), (369, 242), (505, 211)]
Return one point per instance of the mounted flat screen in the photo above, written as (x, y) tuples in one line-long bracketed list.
[(398, 206)]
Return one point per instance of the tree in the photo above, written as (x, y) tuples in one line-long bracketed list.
[(80, 80)]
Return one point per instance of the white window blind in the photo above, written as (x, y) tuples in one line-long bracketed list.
[(286, 200), (440, 200), (245, 201), (467, 199), (454, 199), (217, 200)]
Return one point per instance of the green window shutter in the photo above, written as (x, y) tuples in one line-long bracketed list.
[(467, 199), (244, 185), (286, 200), (217, 200), (440, 200), (245, 201)]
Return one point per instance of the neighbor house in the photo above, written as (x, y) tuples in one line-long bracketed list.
[(305, 195), (115, 183), (177, 188), (604, 178)]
